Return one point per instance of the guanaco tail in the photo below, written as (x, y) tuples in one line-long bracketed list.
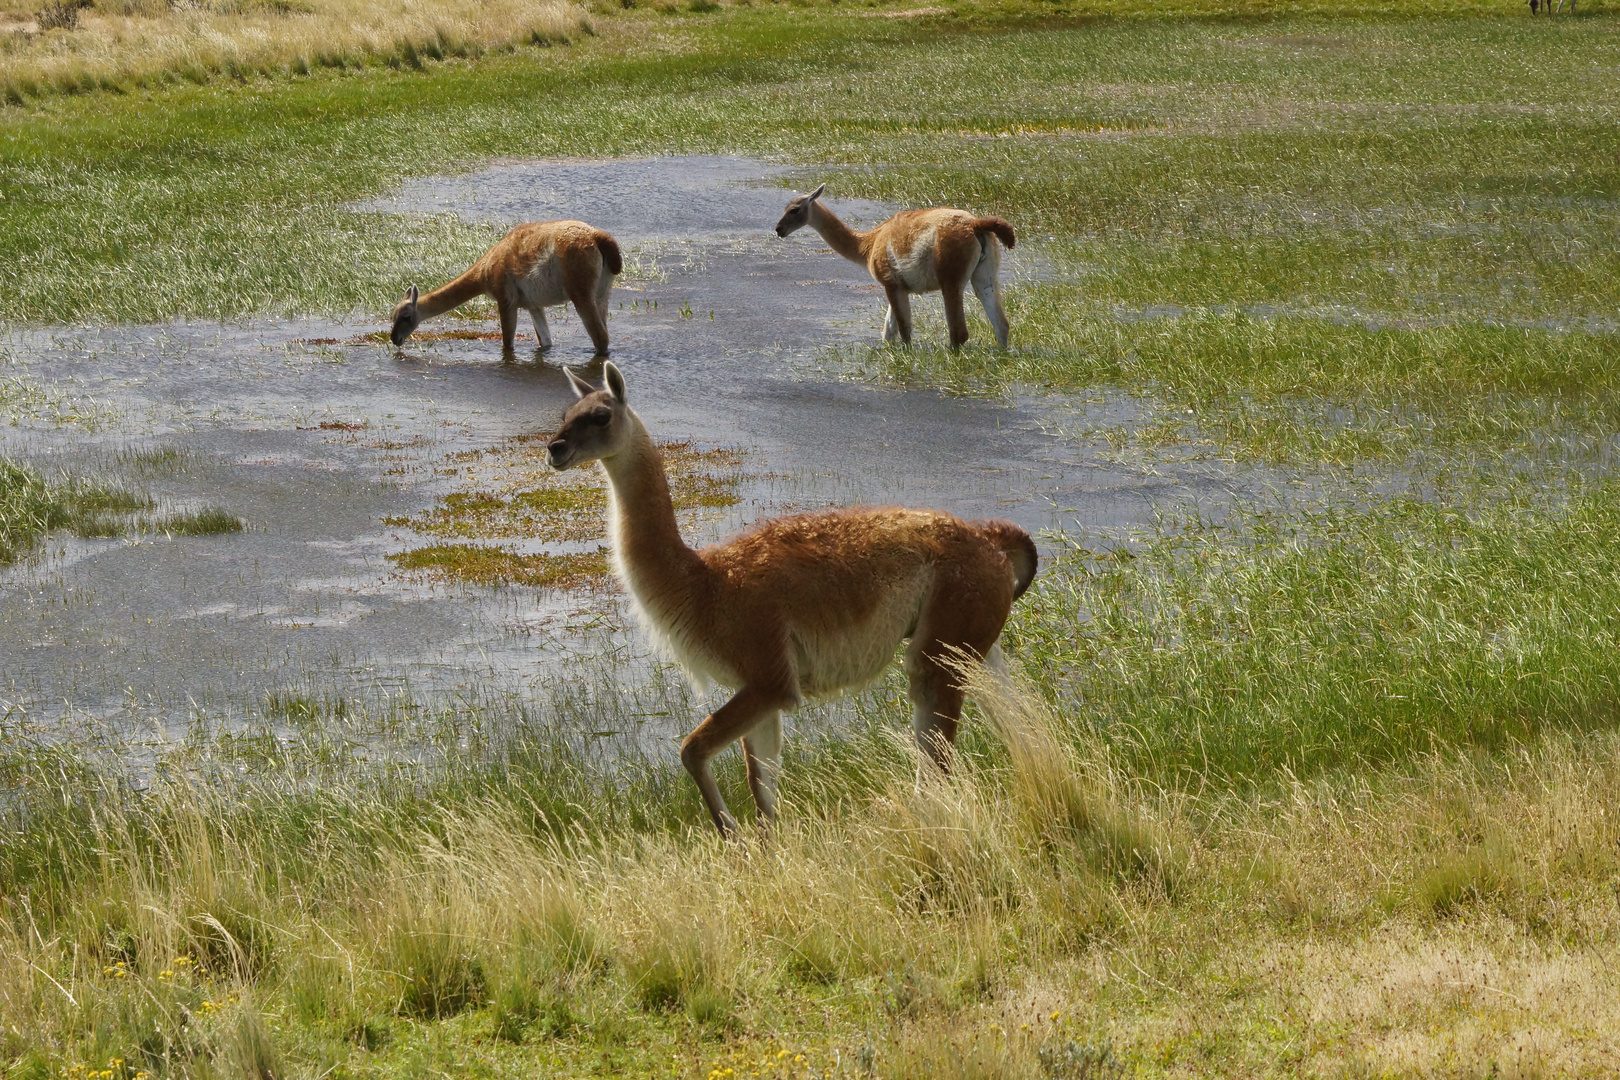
[(533, 266), (798, 607), (918, 251)]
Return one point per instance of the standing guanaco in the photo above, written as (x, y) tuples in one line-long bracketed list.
[(541, 263), (798, 607), (918, 251)]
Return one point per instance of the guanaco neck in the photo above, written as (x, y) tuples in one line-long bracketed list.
[(841, 238), (452, 294), (646, 538)]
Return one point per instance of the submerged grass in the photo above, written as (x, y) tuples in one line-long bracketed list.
[(478, 565), (208, 521), (30, 507)]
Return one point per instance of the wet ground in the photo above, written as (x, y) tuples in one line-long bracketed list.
[(722, 331)]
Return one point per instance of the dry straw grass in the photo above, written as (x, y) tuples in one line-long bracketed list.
[(118, 44), (1036, 908)]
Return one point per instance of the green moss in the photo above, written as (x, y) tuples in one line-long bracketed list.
[(494, 566)]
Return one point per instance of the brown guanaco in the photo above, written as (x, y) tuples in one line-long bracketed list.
[(797, 607), (534, 265), (918, 251)]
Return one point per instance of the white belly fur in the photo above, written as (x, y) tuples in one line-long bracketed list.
[(543, 285), (829, 664), (916, 267)]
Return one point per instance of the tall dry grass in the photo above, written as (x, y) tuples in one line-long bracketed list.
[(119, 44), (1037, 907)]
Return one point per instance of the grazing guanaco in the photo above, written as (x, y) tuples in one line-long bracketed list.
[(541, 263), (918, 251), (798, 607)]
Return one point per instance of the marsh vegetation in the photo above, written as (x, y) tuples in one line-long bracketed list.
[(1322, 783)]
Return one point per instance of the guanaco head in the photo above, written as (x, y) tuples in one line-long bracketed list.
[(405, 317), (596, 426), (797, 214)]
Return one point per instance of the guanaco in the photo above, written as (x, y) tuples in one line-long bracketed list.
[(541, 263), (918, 251), (798, 607)]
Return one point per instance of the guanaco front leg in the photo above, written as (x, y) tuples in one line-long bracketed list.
[(542, 332), (507, 305), (747, 709)]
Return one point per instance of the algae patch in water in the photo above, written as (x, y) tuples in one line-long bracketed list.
[(509, 492), (497, 566)]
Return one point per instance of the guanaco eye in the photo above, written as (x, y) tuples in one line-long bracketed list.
[(601, 415)]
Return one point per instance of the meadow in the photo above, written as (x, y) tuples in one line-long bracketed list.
[(1319, 786)]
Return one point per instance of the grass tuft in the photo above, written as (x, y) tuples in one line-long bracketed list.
[(30, 507), (209, 521)]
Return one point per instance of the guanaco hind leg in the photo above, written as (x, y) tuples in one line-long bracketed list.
[(945, 632), (955, 317), (987, 285), (584, 301), (508, 308), (763, 749)]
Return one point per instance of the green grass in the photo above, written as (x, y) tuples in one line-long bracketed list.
[(1239, 162), (1321, 788), (1340, 637)]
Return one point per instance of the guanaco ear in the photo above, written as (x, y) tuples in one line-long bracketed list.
[(411, 294), (581, 387), (615, 381), (816, 194)]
